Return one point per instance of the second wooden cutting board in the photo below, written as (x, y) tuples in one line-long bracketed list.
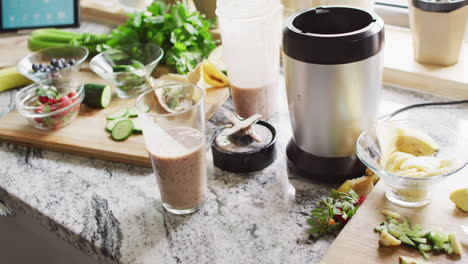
[(357, 243), (86, 135)]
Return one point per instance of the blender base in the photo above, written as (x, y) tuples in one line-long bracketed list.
[(324, 169)]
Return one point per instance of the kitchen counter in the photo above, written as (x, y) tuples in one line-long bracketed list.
[(112, 211)]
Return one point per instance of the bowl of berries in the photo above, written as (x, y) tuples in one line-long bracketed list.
[(50, 106), (45, 65)]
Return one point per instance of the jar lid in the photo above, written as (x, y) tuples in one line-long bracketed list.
[(333, 35), (444, 6)]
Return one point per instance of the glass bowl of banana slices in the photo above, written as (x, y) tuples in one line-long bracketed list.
[(411, 156)]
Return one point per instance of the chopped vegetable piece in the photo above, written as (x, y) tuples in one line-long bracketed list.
[(122, 130), (97, 95), (438, 237), (133, 112), (419, 240), (455, 245), (390, 213), (118, 114), (409, 260), (138, 130), (405, 240), (387, 240), (424, 247)]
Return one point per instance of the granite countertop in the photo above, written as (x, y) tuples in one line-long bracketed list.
[(112, 211)]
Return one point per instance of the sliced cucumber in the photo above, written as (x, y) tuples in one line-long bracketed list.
[(144, 107), (424, 247), (137, 64), (133, 112), (111, 123), (97, 95), (405, 240), (118, 114), (123, 68), (137, 129), (419, 240), (122, 130)]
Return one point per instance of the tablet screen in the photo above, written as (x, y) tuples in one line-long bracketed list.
[(20, 14)]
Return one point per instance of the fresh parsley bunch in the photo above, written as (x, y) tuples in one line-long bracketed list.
[(184, 37), (333, 212)]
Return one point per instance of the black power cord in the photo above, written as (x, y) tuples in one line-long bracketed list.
[(387, 116)]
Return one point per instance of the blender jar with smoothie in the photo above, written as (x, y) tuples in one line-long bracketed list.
[(251, 36)]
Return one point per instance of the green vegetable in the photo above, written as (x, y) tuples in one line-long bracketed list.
[(144, 107), (123, 68), (333, 212), (118, 114), (438, 237), (97, 95), (111, 123), (184, 36), (51, 37), (405, 240), (122, 130), (137, 126), (417, 237), (133, 112)]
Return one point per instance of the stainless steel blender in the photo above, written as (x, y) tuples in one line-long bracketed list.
[(333, 70)]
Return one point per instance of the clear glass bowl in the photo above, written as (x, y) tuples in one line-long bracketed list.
[(142, 58), (68, 52), (50, 116), (414, 191)]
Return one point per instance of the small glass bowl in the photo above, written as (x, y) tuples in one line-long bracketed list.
[(53, 116), (68, 52), (131, 82), (414, 191)]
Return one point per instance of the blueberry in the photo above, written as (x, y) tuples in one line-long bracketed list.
[(53, 61), (72, 62), (60, 65), (55, 69), (47, 70), (65, 65), (62, 60), (42, 66), (42, 69), (35, 67)]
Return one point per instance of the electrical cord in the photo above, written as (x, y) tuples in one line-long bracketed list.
[(387, 116)]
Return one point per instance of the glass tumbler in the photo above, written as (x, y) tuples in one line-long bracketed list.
[(176, 144)]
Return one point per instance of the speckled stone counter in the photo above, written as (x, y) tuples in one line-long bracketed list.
[(112, 211)]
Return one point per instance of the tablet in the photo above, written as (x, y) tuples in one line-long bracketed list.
[(25, 14)]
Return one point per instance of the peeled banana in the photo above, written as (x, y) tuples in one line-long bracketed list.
[(409, 152), (11, 78)]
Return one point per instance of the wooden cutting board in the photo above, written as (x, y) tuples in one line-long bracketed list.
[(86, 135), (357, 243)]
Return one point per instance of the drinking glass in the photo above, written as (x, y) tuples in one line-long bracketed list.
[(176, 144)]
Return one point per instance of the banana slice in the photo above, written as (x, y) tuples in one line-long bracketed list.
[(212, 76), (415, 142), (396, 160), (175, 100), (421, 163)]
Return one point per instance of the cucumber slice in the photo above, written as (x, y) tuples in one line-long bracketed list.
[(133, 112), (117, 114), (137, 129), (438, 237), (424, 247), (144, 107), (97, 95), (137, 64), (405, 240), (122, 130), (111, 123), (419, 240), (123, 68)]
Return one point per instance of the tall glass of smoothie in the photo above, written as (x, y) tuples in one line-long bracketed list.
[(172, 118), (251, 36)]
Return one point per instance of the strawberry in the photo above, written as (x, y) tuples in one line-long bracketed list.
[(38, 120), (43, 99), (361, 200), (71, 94)]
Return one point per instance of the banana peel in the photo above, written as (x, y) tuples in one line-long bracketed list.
[(213, 76), (362, 186), (10, 78)]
